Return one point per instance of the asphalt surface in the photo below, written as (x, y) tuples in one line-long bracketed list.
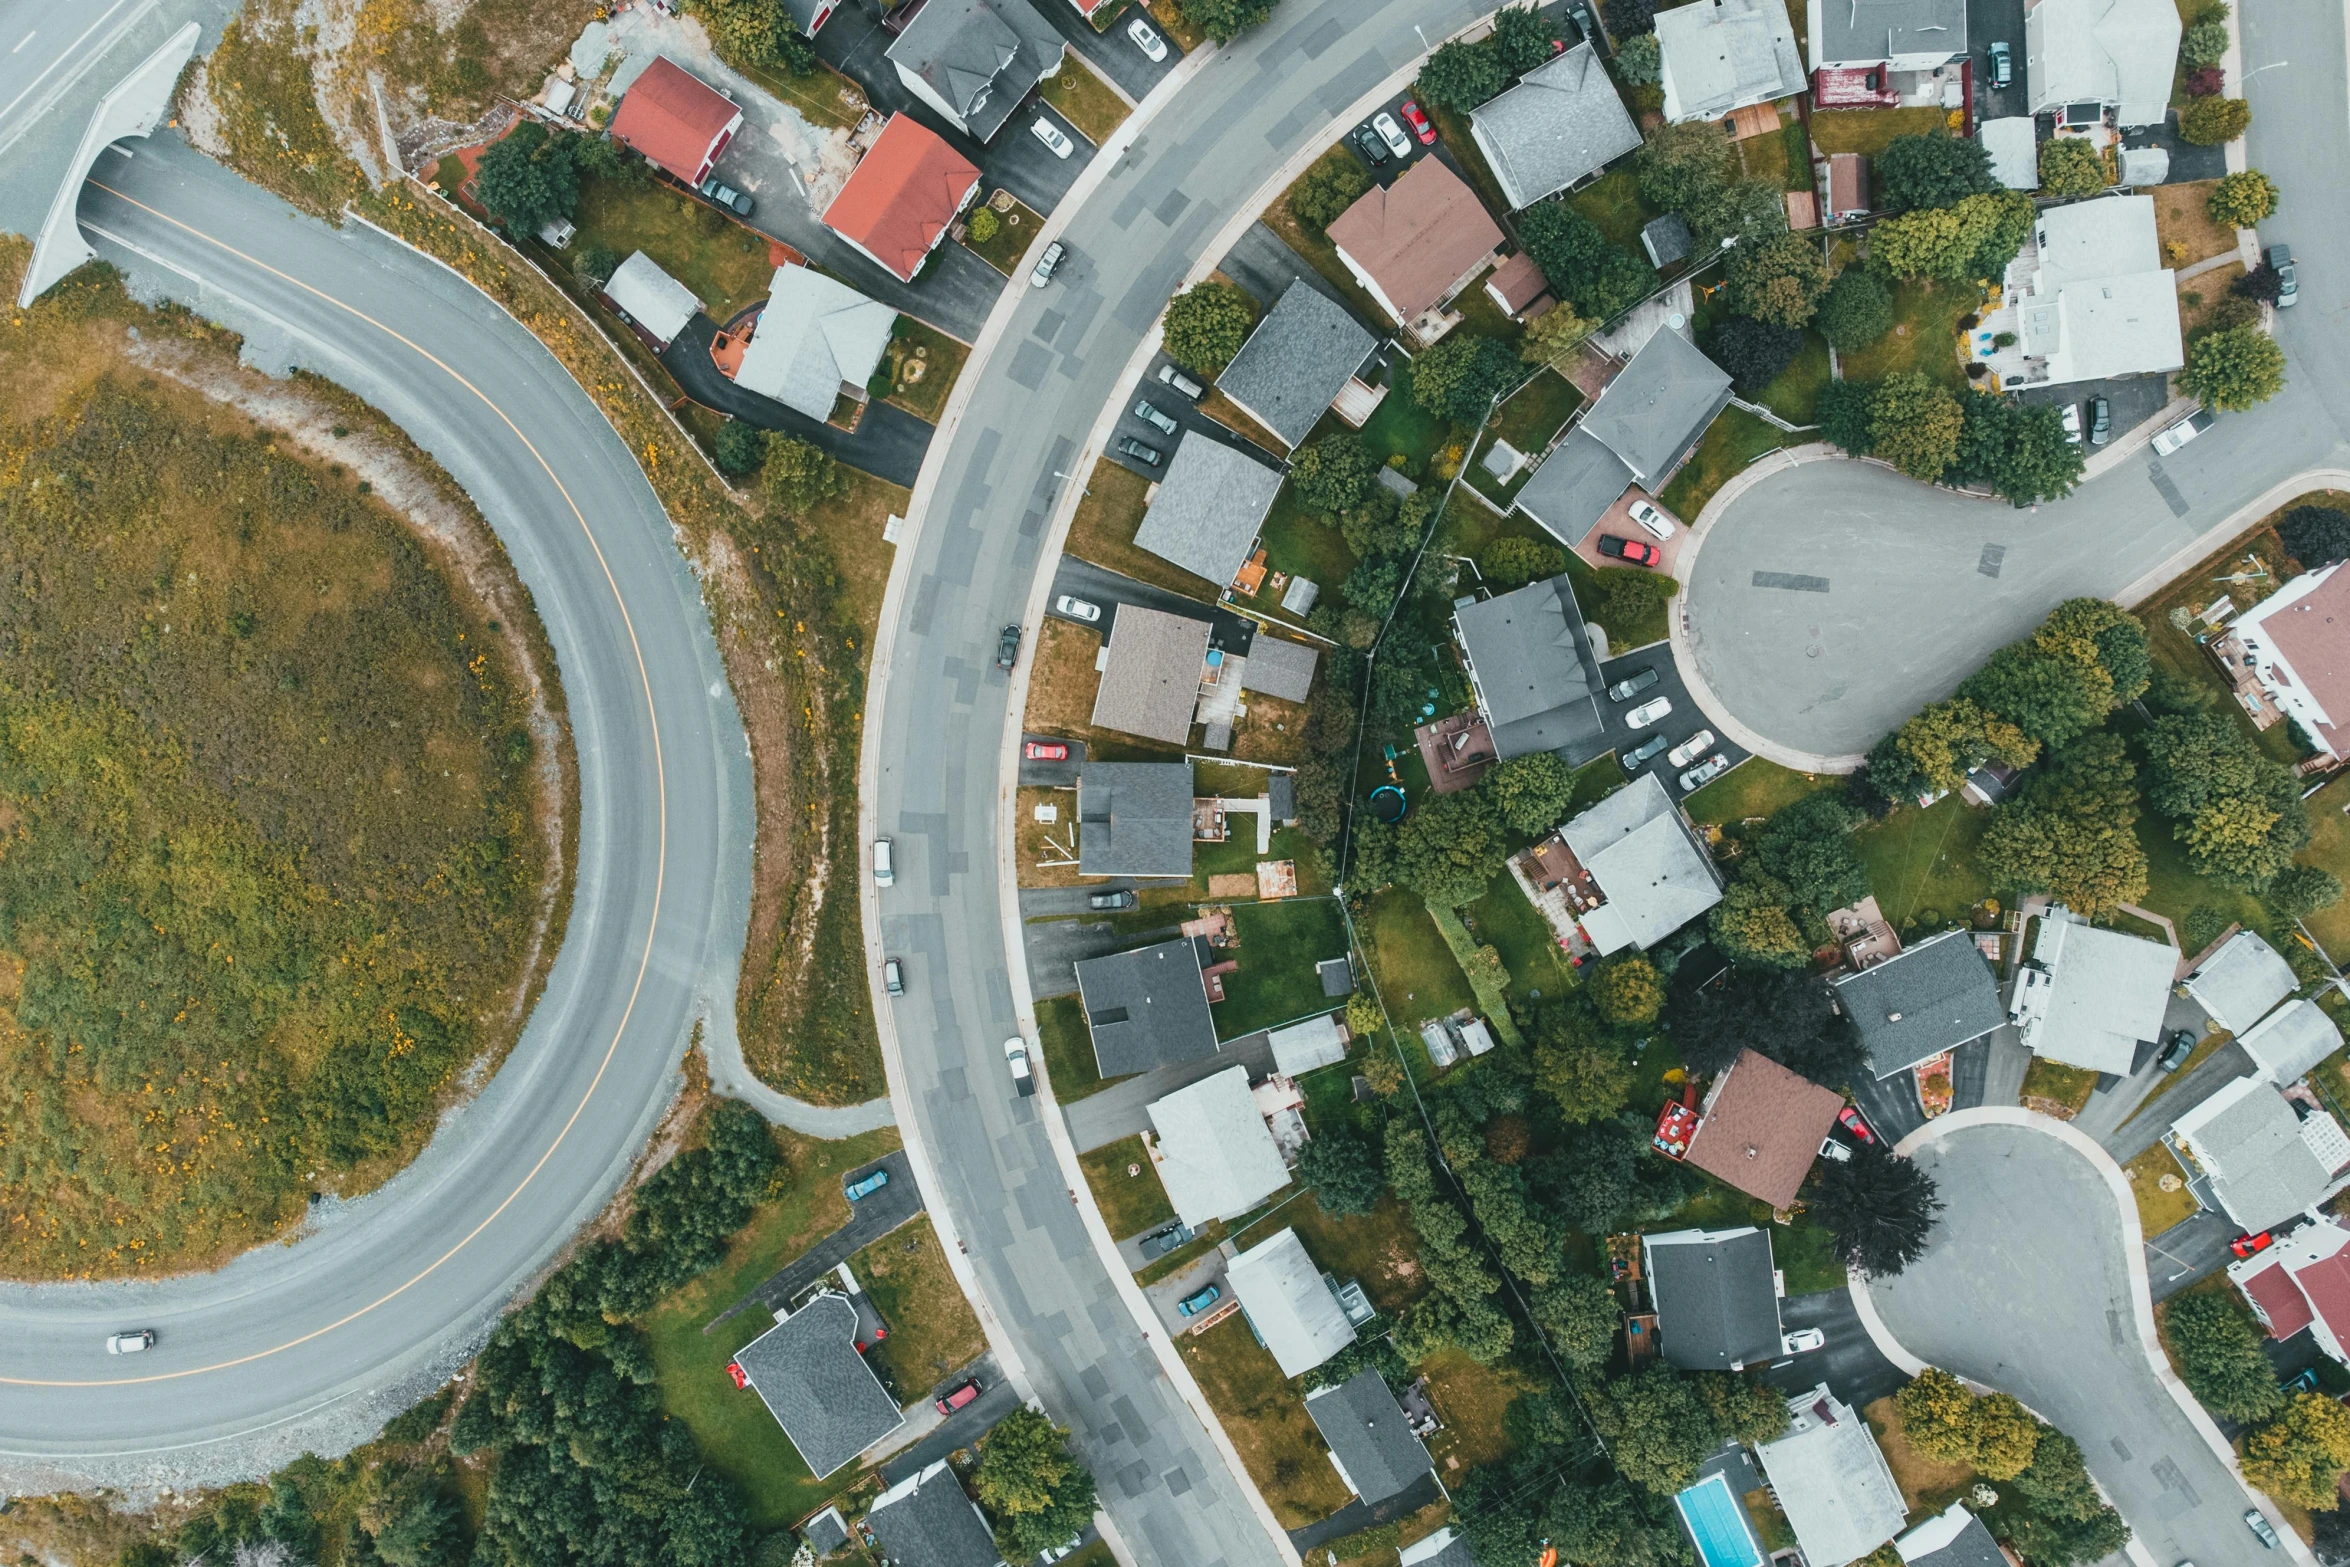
[(1123, 1109), (870, 1217), (46, 48), (1114, 54), (888, 442), (1107, 590), (1855, 1370), (1678, 726)]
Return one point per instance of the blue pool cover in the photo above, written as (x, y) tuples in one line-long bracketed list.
[(1718, 1523)]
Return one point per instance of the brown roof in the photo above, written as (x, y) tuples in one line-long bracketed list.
[(675, 120), (1763, 1127), (1848, 184), (903, 195), (2313, 636), (1517, 282), (1419, 236), (1151, 683)]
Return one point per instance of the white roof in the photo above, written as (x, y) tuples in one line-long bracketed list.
[(652, 298), (2117, 52), (2014, 146), (2288, 1043), (1832, 1480), (2102, 302), (1292, 1309), (2265, 1161), (1720, 55), (815, 335), (1652, 874), (2092, 996), (1215, 1156), (2241, 981), (1301, 1047)]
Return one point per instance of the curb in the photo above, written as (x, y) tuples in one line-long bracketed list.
[(2235, 523)]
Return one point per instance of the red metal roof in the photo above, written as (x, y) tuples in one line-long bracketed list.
[(1835, 87), (903, 196), (2326, 1286), (2273, 1291), (677, 122)]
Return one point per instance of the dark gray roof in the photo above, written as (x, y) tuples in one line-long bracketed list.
[(927, 1521), (808, 1373), (1863, 32), (1369, 1436), (1574, 487), (826, 1532), (1337, 975), (1281, 797), (1666, 239), (1924, 1000), (1561, 122), (1279, 667), (1530, 658), (1134, 819), (1206, 512), (980, 58), (1296, 362), (1716, 1297), (1658, 405), (1147, 1008)]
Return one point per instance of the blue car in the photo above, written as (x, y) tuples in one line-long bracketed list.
[(1193, 1305), (868, 1186)]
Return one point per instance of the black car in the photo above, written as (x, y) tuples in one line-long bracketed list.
[(2288, 286), (1111, 902), (2100, 421), (1586, 29), (1372, 146), (1007, 647), (1128, 446), (1159, 1242), (2176, 1049), (1643, 752)]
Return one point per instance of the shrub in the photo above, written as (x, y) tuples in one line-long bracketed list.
[(2208, 82), (1856, 311), (595, 263), (2210, 122), (1627, 17), (1640, 61), (2069, 166), (1754, 352), (739, 447), (2203, 44), (1460, 76), (797, 473), (2316, 535), (1335, 182), (2263, 284), (2243, 199), (1844, 415), (1512, 563), (2234, 369), (983, 225)]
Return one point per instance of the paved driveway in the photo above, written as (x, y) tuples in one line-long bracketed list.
[(1113, 53), (2025, 1288), (1108, 590), (888, 442), (1679, 725)]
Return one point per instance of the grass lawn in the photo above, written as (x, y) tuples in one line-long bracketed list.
[(1649, 624), (2065, 1086), (1062, 684), (2182, 219), (1795, 395), (1085, 99), (1927, 1484), (1068, 1049), (1922, 863), (1130, 1204), (1866, 131), (1924, 335), (2329, 846), (2200, 295), (1807, 1255), (1613, 203), (1471, 1400), (1401, 427), (1732, 442), (1304, 544), (1378, 1249), (920, 368), (2158, 1210), (725, 264), (1003, 249), (1755, 787), (1506, 922), (1795, 142), (737, 1436), (1103, 532), (1280, 942), (1266, 1419), (1534, 414), (1417, 976), (932, 1331), (1762, 158), (852, 523)]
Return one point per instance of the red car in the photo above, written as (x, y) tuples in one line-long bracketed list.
[(1042, 751), (736, 1372), (958, 1398), (2246, 1245), (1849, 1119), (1632, 550), (1418, 122)]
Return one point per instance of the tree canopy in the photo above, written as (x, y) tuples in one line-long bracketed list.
[(1914, 424), (527, 178), (2239, 813), (1935, 170), (1856, 311), (2242, 200), (1460, 376), (1225, 20), (1778, 280), (1205, 326), (1808, 846), (1322, 194), (1879, 1207), (1531, 791), (2220, 1358), (1460, 76), (2300, 1456), (2073, 833), (2238, 368), (1600, 279), (2019, 450), (1753, 351), (2209, 122), (1333, 473), (2069, 166), (1786, 1015), (1974, 239)]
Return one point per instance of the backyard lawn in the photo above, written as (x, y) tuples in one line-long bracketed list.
[(1088, 102), (2173, 888), (932, 1331), (1922, 863), (1304, 544), (2158, 1210), (1613, 203), (1755, 787), (1924, 335), (920, 368), (1280, 942), (1795, 395), (2330, 847), (1003, 249), (1534, 414), (1401, 427), (724, 264), (1068, 1048), (1267, 1421), (1417, 976), (1473, 1401), (1103, 532), (1732, 442), (1130, 1204), (1379, 1249), (1866, 131), (1504, 920)]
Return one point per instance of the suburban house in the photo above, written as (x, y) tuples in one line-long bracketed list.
[(1151, 674), (1716, 1294), (816, 341), (808, 1372), (1518, 289), (2302, 1281), (1562, 124), (2287, 649), (2288, 1044), (903, 197), (1953, 1537), (2091, 997), (1647, 421), (1297, 362), (1533, 673), (1292, 1304), (974, 62), (650, 300), (1832, 1481), (1372, 1445), (1205, 514), (675, 121), (1761, 1126), (2013, 141), (1848, 187), (2266, 1155), (2087, 299), (1882, 54), (1721, 55), (926, 1520), (1922, 1001), (1134, 819), (1441, 1549), (1146, 1008), (2240, 982), (1215, 1155), (1415, 244), (2084, 57), (1632, 868)]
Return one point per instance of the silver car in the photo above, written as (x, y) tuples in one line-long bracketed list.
[(1705, 772), (1043, 271), (1152, 417), (1077, 609), (1690, 749)]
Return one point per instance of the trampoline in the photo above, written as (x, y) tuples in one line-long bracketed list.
[(1718, 1523), (1387, 803)]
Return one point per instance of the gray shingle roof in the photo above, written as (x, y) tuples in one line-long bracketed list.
[(1147, 1008), (1929, 998), (1536, 679), (1207, 511), (826, 1532), (2289, 1043), (1651, 872), (1134, 819), (928, 1521), (807, 1371), (1441, 1549), (1867, 32), (1717, 1302), (1561, 122), (1953, 1537), (1279, 668), (1369, 1436), (1666, 239), (980, 59), (1295, 364), (1659, 404), (1832, 1480), (1574, 487), (1289, 1304), (1338, 977), (2241, 981), (2261, 1156), (1150, 685)]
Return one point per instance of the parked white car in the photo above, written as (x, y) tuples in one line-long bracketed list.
[(1077, 609), (2172, 437), (1802, 1340), (884, 873), (1151, 44), (1392, 134), (130, 1343), (1656, 522), (1016, 1058), (1050, 134), (1648, 712), (1690, 749), (1704, 772)]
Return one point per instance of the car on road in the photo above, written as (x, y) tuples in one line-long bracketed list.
[(1042, 273), (1851, 1120), (856, 1191), (1802, 1341), (735, 1371), (1633, 684), (2002, 64), (727, 196), (1636, 551), (1372, 146), (2249, 1245), (2100, 421), (1392, 134), (1154, 47), (2175, 1050), (1417, 119), (1077, 609), (884, 871), (1641, 754), (1050, 134), (1193, 1305), (1128, 446), (1182, 383), (2171, 437), (2070, 416), (1163, 1240), (1650, 518), (130, 1343), (1705, 772), (2288, 285), (959, 1398), (1649, 712), (1016, 1062), (2255, 1521), (1155, 419), (1045, 751), (1111, 902), (1007, 647), (893, 976), (1690, 749)]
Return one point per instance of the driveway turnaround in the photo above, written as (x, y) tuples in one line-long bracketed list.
[(887, 443), (2028, 1288)]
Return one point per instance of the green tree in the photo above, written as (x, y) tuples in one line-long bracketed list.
[(1459, 377), (1336, 182), (2300, 1456), (2316, 535), (1640, 61), (2073, 833), (1878, 1206), (984, 225), (739, 447), (1206, 324), (1937, 1416), (2052, 699), (2056, 1482), (1628, 991), (1751, 212), (1948, 740), (1580, 1315), (2019, 451), (1599, 278), (1022, 1460), (1914, 424), (1788, 1015), (1342, 1172), (1448, 849), (2005, 1436), (1607, 1522), (595, 263), (1743, 1409), (1225, 20), (527, 180), (1513, 562), (1656, 1426), (1844, 411), (1808, 847), (1856, 311), (1585, 1072), (1681, 167), (1521, 38), (1333, 473), (2202, 44), (2242, 200), (1753, 924), (2220, 1359), (1752, 351), (1971, 240), (1460, 76), (1554, 337), (798, 474), (1936, 170), (745, 32), (2234, 369), (2299, 891), (1779, 280), (2069, 166), (2047, 1541), (2239, 813), (2209, 122), (2092, 631), (1531, 791)]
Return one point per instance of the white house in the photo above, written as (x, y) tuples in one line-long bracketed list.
[(2090, 997), (1721, 55), (2102, 55), (2087, 299)]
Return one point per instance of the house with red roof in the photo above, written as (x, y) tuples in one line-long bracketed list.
[(2296, 645), (678, 122), (2303, 1281), (903, 197)]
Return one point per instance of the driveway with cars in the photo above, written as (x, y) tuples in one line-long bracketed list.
[(1230, 632), (1684, 721), (1170, 403), (1855, 1370), (1114, 52)]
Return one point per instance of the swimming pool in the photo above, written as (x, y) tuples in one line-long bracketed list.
[(1719, 1525)]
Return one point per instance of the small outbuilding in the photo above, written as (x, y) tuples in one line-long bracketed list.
[(650, 300), (2240, 982)]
